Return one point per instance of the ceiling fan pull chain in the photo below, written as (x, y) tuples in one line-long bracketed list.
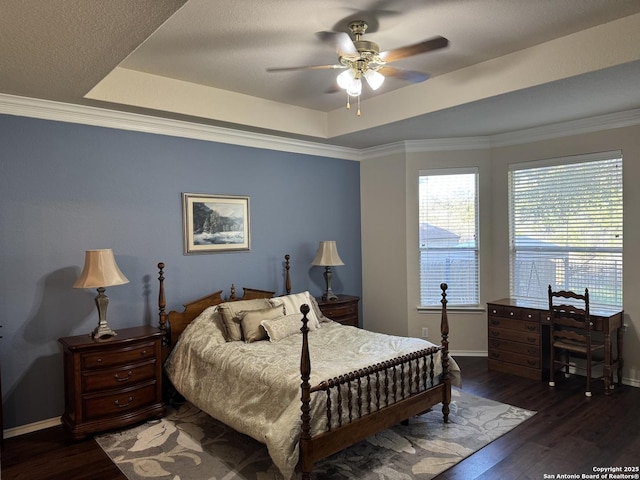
[(358, 114), (348, 103)]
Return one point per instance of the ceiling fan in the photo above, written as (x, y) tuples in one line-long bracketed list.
[(363, 59)]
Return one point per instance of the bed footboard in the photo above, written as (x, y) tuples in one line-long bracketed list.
[(367, 401)]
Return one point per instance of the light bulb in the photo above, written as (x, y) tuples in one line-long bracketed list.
[(374, 79), (355, 88)]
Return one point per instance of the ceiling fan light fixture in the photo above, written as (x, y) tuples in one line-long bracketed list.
[(346, 78), (374, 79)]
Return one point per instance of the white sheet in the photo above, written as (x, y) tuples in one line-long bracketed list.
[(255, 387)]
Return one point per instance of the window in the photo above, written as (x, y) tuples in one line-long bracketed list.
[(448, 224), (566, 228)]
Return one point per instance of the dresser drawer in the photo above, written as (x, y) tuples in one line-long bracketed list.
[(119, 403), (124, 356), (118, 377), (516, 358), (505, 311), (515, 347), (519, 325), (528, 338)]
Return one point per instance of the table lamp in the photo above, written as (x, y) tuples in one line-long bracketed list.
[(100, 271), (327, 257)]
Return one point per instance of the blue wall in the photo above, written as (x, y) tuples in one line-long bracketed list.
[(66, 188)]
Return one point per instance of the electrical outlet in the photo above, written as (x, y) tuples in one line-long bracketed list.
[(425, 332)]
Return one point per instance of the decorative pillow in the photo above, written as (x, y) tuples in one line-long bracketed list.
[(230, 311), (250, 321), (293, 302), (284, 326)]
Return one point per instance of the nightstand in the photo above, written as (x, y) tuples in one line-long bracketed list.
[(343, 310), (111, 383)]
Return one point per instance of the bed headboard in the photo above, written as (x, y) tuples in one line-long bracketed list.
[(173, 323)]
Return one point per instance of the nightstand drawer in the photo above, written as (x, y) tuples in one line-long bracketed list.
[(342, 310), (124, 356), (120, 402), (119, 377)]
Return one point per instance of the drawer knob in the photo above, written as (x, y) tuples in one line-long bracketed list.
[(495, 322), (531, 328), (123, 405), (511, 313), (494, 311), (143, 352), (123, 379), (495, 333), (531, 339)]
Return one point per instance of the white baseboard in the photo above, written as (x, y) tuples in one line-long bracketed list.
[(31, 427)]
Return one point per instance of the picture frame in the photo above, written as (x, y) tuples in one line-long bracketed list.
[(215, 223)]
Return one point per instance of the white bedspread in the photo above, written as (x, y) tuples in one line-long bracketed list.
[(255, 387)]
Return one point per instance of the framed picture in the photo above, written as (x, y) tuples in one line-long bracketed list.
[(215, 223)]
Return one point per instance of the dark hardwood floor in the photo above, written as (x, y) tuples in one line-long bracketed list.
[(570, 434)]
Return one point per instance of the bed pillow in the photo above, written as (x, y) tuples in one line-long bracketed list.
[(294, 301), (284, 326), (230, 311), (250, 320)]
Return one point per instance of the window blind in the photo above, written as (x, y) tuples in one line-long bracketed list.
[(448, 229), (566, 228)]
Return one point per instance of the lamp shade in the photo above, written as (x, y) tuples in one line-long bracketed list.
[(100, 270), (327, 254)]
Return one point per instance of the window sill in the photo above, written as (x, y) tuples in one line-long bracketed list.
[(473, 310)]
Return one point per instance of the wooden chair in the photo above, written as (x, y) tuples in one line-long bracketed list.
[(570, 334)]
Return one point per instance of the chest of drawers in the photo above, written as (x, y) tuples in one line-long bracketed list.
[(515, 339), (112, 383)]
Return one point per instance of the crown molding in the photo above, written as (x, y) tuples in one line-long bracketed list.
[(609, 121), (101, 117)]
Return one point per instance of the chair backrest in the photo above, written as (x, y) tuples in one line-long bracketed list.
[(569, 315)]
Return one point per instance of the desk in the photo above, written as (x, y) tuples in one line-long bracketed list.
[(519, 339)]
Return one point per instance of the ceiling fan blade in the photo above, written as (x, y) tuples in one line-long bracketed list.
[(422, 47), (307, 67), (341, 41), (401, 73)]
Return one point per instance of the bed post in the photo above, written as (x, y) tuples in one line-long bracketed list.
[(306, 456), (287, 277), (162, 303), (444, 330)]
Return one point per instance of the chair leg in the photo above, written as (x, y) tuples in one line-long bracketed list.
[(587, 393), (552, 369)]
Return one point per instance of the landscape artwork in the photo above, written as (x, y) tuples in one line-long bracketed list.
[(215, 223)]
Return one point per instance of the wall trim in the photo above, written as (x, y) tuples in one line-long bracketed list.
[(102, 117), (32, 427)]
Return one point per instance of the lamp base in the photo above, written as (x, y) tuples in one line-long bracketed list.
[(103, 331), (328, 294)]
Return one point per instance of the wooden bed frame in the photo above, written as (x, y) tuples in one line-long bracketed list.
[(410, 377)]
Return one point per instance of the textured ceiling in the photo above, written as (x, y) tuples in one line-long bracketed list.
[(511, 64)]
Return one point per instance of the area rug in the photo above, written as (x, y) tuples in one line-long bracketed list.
[(189, 445)]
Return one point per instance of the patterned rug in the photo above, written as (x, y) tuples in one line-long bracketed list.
[(189, 445)]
